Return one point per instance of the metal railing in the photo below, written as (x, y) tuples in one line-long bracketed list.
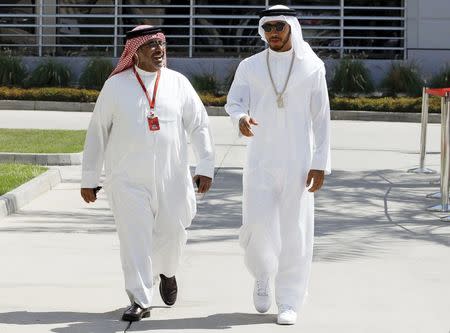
[(443, 193), (197, 28)]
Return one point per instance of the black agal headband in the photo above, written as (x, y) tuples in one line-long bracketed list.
[(142, 32), (277, 12)]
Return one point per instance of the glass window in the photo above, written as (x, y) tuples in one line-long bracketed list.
[(18, 27), (211, 28)]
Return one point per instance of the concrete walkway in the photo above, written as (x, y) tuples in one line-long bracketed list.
[(380, 265)]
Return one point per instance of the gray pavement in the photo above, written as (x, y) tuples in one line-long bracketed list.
[(380, 264)]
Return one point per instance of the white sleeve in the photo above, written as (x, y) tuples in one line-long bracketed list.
[(320, 115), (97, 137), (238, 98), (196, 123)]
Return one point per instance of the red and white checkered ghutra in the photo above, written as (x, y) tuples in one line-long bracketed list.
[(132, 45)]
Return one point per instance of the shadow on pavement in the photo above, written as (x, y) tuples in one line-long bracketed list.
[(78, 322), (216, 321), (221, 208), (357, 214), (90, 220)]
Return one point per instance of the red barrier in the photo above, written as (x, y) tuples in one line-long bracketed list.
[(438, 91)]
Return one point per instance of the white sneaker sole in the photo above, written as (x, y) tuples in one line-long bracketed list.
[(286, 322)]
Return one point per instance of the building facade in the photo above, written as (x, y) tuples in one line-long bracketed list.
[(225, 30)]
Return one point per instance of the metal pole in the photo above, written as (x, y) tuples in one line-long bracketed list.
[(191, 27), (445, 156), (40, 30), (116, 21), (423, 136), (447, 218), (446, 170), (405, 31), (438, 195), (341, 49)]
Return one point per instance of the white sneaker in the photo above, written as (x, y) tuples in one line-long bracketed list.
[(261, 295), (286, 315)]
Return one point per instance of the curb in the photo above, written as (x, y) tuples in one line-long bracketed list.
[(403, 117), (42, 159), (409, 117), (216, 111), (12, 201), (46, 106)]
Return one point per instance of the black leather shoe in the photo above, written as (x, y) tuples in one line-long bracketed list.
[(135, 313), (168, 289)]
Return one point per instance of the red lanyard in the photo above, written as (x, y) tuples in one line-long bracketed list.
[(151, 101)]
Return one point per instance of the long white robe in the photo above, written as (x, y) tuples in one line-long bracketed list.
[(278, 211), (148, 182)]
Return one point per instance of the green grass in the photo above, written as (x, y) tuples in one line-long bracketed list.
[(41, 141), (12, 175)]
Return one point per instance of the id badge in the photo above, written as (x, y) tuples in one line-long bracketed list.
[(153, 123)]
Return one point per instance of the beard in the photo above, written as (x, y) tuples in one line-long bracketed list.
[(283, 43)]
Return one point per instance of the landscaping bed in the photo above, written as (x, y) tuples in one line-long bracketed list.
[(385, 104)]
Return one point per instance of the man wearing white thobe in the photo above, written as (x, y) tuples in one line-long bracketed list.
[(140, 128), (279, 100)]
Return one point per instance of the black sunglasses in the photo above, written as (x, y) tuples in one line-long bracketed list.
[(279, 26)]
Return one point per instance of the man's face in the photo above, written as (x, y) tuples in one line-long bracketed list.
[(277, 34), (152, 54)]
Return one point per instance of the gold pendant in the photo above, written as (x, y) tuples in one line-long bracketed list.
[(280, 101)]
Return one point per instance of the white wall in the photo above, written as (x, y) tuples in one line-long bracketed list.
[(428, 33)]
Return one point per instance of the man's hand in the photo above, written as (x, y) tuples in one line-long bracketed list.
[(204, 183), (245, 125), (88, 194), (317, 178)]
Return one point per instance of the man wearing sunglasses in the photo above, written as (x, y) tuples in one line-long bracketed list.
[(140, 127), (279, 100)]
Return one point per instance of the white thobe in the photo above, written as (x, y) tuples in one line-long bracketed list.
[(148, 182), (278, 211)]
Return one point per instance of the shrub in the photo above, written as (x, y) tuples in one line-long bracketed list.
[(12, 71), (403, 79), (351, 77), (205, 83), (95, 73), (49, 94), (50, 74), (229, 78), (386, 104), (212, 100), (442, 79)]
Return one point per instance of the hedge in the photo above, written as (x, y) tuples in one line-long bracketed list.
[(387, 104), (76, 95), (211, 100), (49, 94)]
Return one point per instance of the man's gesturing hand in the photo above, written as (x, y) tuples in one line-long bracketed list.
[(316, 177), (88, 194), (245, 125), (204, 183)]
